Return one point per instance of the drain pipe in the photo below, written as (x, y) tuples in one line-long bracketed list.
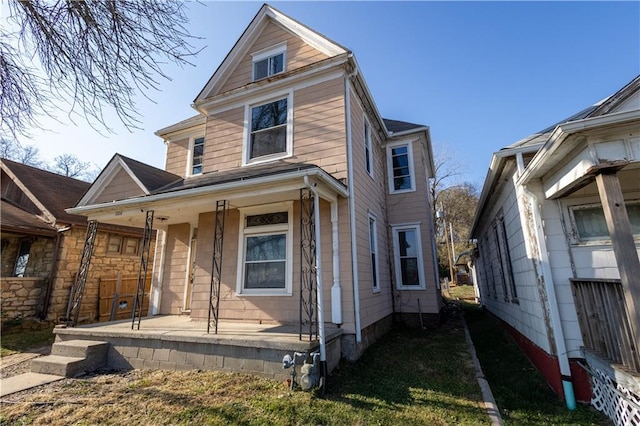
[(319, 289), (545, 275), (352, 208)]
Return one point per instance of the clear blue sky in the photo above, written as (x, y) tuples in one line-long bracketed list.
[(482, 75)]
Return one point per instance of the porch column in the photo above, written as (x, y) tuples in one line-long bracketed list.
[(77, 290), (624, 247), (336, 291)]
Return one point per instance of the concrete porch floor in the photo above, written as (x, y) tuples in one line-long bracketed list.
[(173, 342)]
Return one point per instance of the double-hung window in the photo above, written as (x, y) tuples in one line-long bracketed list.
[(269, 134), (197, 155), (590, 224), (408, 263), (265, 266), (368, 151), (269, 62), (400, 165), (373, 249)]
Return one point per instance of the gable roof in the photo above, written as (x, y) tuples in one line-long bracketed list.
[(50, 192), (148, 178), (396, 126), (240, 48), (15, 219)]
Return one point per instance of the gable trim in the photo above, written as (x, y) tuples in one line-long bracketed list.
[(45, 212), (108, 174)]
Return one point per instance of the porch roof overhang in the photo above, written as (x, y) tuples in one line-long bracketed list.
[(577, 151), (184, 201)]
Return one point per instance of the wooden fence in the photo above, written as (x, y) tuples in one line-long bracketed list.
[(604, 321), (116, 297)]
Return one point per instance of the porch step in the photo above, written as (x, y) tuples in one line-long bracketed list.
[(72, 358)]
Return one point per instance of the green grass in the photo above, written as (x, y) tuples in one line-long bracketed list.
[(407, 378), (25, 340), (522, 394)]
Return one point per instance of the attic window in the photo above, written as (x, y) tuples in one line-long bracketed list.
[(269, 62)]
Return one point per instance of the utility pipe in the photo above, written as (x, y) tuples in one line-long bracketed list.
[(352, 208), (319, 292)]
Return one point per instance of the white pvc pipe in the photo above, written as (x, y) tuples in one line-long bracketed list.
[(336, 291)]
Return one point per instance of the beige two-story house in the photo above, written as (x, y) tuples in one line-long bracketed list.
[(290, 199)]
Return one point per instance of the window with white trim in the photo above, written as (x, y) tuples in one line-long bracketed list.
[(373, 250), (269, 62), (591, 225), (265, 250), (269, 134), (368, 151), (400, 165), (197, 155), (409, 267)]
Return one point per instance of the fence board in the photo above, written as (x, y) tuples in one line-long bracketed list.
[(124, 304)]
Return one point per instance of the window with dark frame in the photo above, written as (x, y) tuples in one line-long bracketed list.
[(373, 247), (22, 258), (197, 156), (368, 152)]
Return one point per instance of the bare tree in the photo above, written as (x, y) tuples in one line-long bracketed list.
[(89, 55), (69, 165), (21, 153)]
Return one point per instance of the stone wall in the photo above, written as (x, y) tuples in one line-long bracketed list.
[(40, 256), (20, 298)]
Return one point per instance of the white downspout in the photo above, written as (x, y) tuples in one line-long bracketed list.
[(336, 291), (158, 272), (319, 288), (546, 275), (352, 209)]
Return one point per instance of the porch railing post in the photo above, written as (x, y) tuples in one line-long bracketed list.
[(216, 266), (77, 290), (138, 301), (307, 264)]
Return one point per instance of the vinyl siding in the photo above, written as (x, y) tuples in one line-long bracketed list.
[(177, 154), (298, 54), (120, 187), (175, 269)]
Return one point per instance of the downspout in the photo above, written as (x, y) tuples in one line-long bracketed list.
[(319, 288), (352, 208), (54, 269), (546, 276)]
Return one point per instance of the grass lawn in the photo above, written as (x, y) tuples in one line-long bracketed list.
[(11, 343), (523, 396), (409, 378)]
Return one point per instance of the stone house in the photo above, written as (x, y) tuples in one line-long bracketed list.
[(42, 245)]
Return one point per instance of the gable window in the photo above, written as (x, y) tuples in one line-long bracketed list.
[(408, 257), (400, 164), (22, 258), (197, 155), (265, 266), (269, 133), (591, 225), (368, 152), (373, 249), (269, 62), (121, 245)]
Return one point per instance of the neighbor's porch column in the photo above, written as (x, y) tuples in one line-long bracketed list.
[(624, 247)]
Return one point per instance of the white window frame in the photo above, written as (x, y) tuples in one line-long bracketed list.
[(192, 142), (576, 239), (390, 146), (268, 53), (373, 252), (246, 151), (265, 230), (368, 148), (396, 229)]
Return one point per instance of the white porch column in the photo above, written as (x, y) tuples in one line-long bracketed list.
[(157, 272), (336, 291), (624, 247)]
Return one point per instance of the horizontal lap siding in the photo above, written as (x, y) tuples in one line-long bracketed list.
[(319, 126), (120, 187), (175, 269), (177, 154), (223, 143), (298, 54)]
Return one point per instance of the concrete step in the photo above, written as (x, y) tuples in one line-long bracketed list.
[(64, 366), (81, 349), (72, 358)]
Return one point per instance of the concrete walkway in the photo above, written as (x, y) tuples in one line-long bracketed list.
[(25, 381)]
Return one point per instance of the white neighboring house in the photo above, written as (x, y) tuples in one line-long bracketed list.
[(558, 231)]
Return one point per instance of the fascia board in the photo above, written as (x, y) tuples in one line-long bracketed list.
[(563, 131), (327, 180), (178, 130), (46, 213), (495, 168)]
